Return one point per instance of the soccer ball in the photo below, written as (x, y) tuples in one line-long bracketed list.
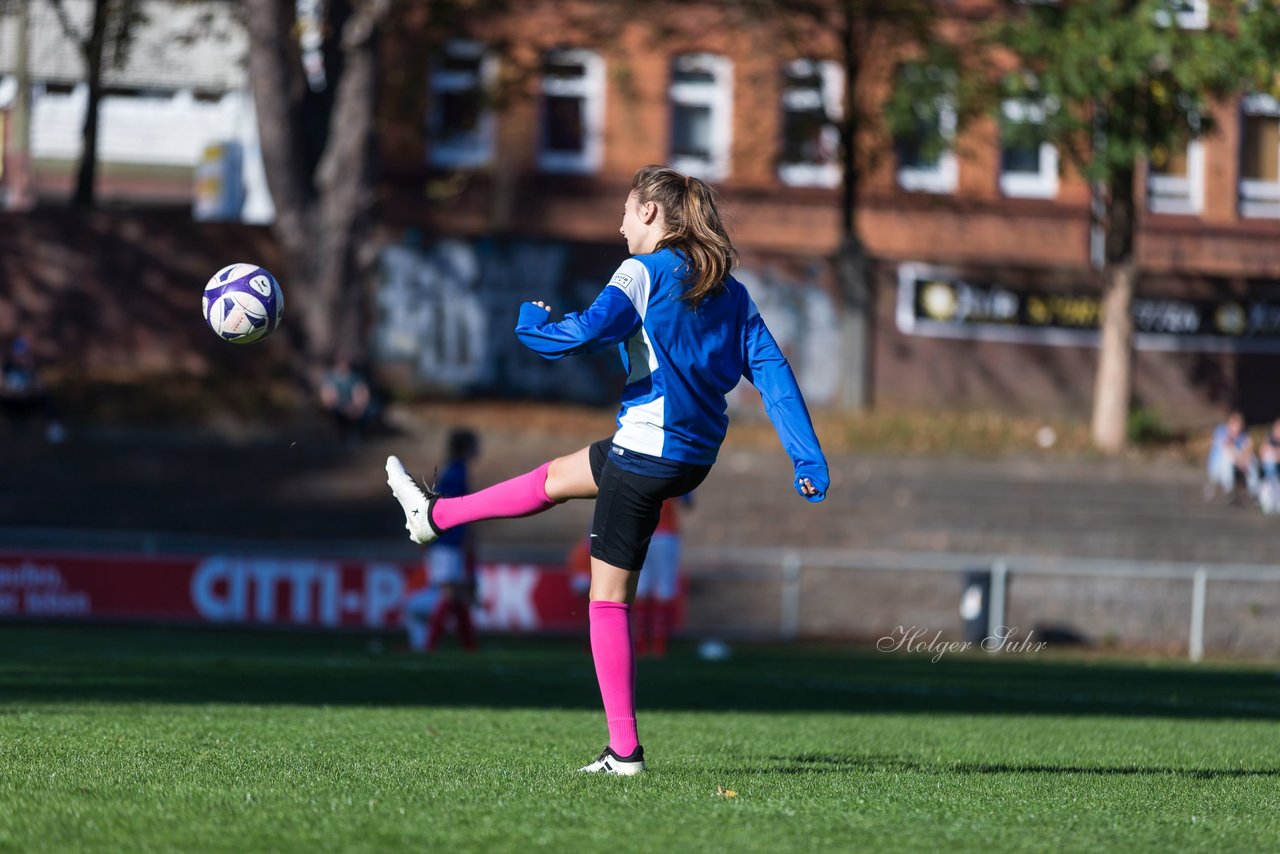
[(243, 303)]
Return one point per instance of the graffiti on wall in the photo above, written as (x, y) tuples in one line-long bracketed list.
[(447, 311), (795, 299)]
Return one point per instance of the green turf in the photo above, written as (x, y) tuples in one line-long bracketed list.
[(142, 740)]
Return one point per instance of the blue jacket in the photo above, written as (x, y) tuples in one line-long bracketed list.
[(451, 484), (681, 362)]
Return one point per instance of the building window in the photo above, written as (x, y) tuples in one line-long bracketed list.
[(1260, 156), (572, 120), (1188, 14), (925, 161), (701, 115), (1175, 184), (135, 124), (461, 125), (1028, 162), (812, 103)]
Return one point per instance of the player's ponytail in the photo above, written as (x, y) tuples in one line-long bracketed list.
[(693, 227)]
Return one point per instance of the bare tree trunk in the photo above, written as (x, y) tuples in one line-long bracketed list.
[(1114, 381), (21, 193), (851, 258), (277, 96), (859, 308), (1113, 384), (345, 182), (321, 219), (93, 49)]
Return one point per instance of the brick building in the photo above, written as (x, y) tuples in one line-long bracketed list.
[(511, 140), (532, 125)]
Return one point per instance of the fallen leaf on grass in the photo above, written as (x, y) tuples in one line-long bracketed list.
[(725, 793)]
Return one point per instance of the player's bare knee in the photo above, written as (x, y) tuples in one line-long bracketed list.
[(611, 594), (570, 477), (611, 583)]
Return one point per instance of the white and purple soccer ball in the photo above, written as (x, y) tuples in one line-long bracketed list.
[(243, 303)]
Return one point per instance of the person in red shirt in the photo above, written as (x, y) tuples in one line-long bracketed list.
[(452, 556), (658, 589), (441, 591), (420, 601)]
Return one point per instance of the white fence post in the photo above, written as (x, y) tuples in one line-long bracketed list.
[(1199, 583), (995, 611), (789, 625)]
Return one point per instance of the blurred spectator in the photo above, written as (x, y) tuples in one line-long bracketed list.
[(22, 390), (452, 556), (1231, 465), (21, 374), (1269, 457), (656, 593), (419, 604), (578, 564), (345, 393)]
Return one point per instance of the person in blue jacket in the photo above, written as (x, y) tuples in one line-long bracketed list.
[(687, 332)]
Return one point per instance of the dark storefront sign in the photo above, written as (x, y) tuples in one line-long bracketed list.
[(937, 302)]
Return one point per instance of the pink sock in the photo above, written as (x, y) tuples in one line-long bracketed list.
[(615, 671), (521, 496)]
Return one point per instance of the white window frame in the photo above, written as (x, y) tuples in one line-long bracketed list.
[(1044, 183), (8, 90), (476, 149), (800, 99), (1178, 194), (590, 88), (943, 176), (1258, 199), (718, 96), (1194, 18)]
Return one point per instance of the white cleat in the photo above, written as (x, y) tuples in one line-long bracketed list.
[(414, 500), (611, 763)]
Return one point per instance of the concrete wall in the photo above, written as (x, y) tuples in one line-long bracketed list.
[(1132, 614)]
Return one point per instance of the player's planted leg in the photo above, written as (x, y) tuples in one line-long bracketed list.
[(612, 590)]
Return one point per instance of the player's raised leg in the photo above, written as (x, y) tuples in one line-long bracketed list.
[(427, 514)]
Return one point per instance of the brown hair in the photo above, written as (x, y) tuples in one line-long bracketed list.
[(693, 227)]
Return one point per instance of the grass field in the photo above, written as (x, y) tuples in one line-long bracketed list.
[(141, 740)]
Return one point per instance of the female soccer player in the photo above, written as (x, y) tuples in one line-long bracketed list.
[(687, 332)]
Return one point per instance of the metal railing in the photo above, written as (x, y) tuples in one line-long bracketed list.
[(780, 565), (788, 565)]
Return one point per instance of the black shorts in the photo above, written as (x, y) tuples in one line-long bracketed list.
[(628, 505)]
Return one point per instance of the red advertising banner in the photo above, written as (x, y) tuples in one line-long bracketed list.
[(275, 591)]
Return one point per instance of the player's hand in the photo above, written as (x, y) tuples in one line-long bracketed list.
[(533, 314), (807, 488)]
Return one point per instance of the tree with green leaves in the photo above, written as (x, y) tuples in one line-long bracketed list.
[(857, 35), (1120, 82), (867, 32)]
